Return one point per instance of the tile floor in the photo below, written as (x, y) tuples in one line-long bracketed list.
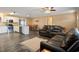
[(10, 42)]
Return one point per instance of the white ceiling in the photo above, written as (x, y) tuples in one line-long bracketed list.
[(34, 11)]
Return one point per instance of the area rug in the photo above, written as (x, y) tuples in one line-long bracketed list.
[(32, 44)]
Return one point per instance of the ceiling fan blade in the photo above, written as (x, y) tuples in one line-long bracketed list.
[(53, 10)]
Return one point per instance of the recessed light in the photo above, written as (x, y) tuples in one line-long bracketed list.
[(28, 15), (12, 13)]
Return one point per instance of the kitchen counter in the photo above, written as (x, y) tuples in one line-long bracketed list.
[(3, 29)]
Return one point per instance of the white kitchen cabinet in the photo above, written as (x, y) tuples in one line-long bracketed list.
[(3, 29)]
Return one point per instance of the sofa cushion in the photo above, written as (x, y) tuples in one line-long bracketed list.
[(57, 40)]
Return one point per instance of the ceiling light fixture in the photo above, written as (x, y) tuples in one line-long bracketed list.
[(27, 15), (48, 9), (12, 13)]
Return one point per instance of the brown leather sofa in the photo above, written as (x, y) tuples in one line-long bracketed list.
[(51, 30), (71, 42)]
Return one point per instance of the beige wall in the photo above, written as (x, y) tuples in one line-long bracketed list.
[(50, 20), (29, 21), (41, 21), (66, 20), (78, 19)]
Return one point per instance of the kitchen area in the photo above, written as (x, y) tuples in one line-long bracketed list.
[(9, 24)]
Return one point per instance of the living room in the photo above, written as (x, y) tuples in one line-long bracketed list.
[(28, 29)]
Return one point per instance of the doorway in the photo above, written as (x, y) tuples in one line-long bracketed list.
[(10, 26)]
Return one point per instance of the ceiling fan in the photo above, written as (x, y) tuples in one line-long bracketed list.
[(48, 9)]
